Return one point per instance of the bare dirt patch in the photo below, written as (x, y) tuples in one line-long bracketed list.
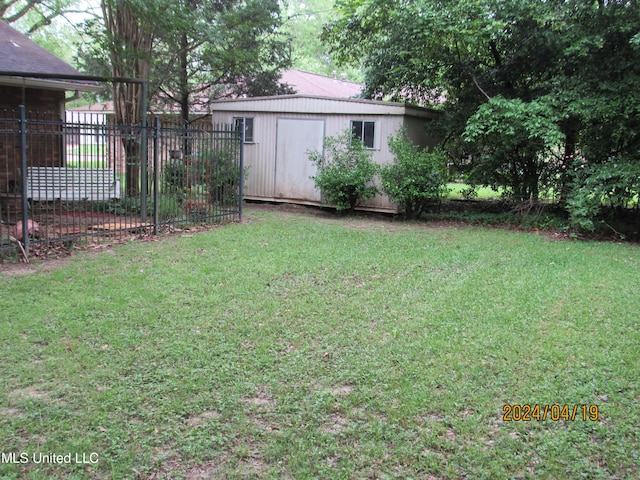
[(46, 257), (205, 471), (262, 399), (17, 269), (201, 418), (27, 393), (10, 412), (335, 424), (343, 390)]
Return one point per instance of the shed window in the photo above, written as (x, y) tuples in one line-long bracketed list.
[(364, 131), (248, 127)]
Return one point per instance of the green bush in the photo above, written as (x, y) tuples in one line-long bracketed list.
[(345, 171), (584, 210), (214, 170), (416, 179), (174, 177), (512, 145), (169, 207), (218, 170), (615, 184), (224, 177)]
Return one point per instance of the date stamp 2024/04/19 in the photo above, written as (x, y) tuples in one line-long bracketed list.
[(555, 413)]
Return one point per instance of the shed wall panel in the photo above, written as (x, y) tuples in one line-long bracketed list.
[(271, 177), (295, 137), (260, 158)]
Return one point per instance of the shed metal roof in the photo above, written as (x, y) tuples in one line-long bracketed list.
[(319, 105)]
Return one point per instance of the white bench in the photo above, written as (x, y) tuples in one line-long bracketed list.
[(71, 184)]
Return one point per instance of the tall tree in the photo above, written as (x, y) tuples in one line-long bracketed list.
[(128, 38), (197, 50), (572, 63), (304, 21), (190, 51), (211, 49), (35, 14)]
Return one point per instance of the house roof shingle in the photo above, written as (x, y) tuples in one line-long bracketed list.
[(19, 53)]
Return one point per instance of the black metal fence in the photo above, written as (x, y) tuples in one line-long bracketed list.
[(85, 178)]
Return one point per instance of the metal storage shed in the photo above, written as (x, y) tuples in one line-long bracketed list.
[(281, 129)]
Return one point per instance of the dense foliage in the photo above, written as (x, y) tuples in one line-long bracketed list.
[(191, 51), (416, 179), (215, 169), (345, 171), (33, 15), (531, 91), (515, 144), (226, 48)]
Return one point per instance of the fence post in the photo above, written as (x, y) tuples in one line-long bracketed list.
[(241, 186), (156, 193), (144, 170), (23, 179)]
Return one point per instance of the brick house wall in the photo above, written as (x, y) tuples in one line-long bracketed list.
[(43, 148)]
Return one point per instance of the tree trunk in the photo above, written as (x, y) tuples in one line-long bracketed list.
[(130, 45), (570, 130), (184, 91), (132, 166)]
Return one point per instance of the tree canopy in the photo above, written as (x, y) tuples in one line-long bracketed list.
[(531, 91), (223, 48), (304, 22), (33, 15), (191, 51)]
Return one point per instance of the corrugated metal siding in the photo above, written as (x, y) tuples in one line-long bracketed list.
[(295, 137), (260, 156), (417, 130), (259, 174), (316, 105)]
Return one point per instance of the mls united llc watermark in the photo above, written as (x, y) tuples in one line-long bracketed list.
[(50, 458)]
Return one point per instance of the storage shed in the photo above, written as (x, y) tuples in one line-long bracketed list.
[(280, 130)]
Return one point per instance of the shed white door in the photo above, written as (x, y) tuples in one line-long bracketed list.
[(294, 138)]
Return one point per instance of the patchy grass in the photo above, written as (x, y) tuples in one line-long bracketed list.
[(311, 346)]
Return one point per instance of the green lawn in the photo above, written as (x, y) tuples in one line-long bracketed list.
[(484, 193), (300, 345), (88, 156), (88, 163)]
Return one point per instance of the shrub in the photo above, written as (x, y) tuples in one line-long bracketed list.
[(214, 170), (615, 184), (416, 179), (169, 207), (345, 171), (174, 177), (513, 145), (224, 176), (584, 209)]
